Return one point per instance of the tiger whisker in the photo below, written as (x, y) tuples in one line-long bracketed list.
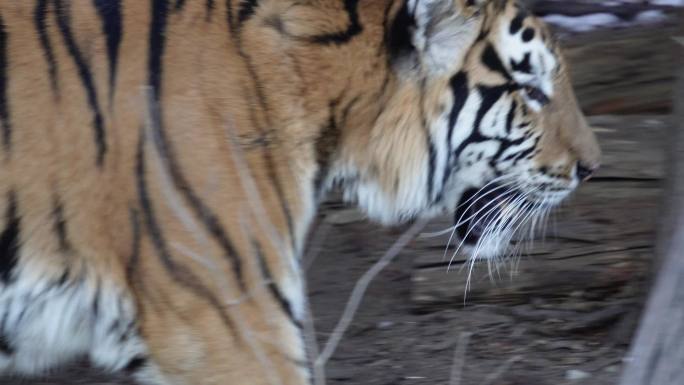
[(495, 206), (453, 228), (494, 228), (474, 256), (507, 219), (461, 221), (493, 181), (501, 226), (477, 197)]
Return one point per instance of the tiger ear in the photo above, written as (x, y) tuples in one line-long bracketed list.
[(444, 29)]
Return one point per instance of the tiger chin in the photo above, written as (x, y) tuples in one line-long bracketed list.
[(162, 162)]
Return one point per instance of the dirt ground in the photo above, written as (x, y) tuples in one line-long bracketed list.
[(414, 327)]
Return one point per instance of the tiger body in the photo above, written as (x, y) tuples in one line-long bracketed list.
[(162, 162)]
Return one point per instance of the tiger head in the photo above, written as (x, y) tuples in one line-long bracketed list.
[(483, 123)]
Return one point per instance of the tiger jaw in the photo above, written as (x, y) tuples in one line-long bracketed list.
[(488, 219)]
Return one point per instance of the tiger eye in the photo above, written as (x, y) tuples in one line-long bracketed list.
[(537, 95)]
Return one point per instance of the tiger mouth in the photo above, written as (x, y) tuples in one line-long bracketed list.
[(478, 209)]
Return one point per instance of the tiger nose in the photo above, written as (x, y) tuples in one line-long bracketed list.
[(585, 171)]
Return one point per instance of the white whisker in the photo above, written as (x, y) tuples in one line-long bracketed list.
[(477, 196), (495, 206)]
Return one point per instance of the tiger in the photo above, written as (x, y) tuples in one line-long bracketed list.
[(163, 162)]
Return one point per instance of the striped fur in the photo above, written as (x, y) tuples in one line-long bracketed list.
[(162, 161)]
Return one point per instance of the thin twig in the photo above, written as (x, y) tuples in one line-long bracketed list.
[(314, 250), (459, 358), (312, 346), (360, 290), (503, 369)]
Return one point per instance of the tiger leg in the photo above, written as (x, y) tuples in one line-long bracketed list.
[(53, 314), (201, 328), (198, 344)]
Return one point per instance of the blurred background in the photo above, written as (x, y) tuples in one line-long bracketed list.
[(567, 310)]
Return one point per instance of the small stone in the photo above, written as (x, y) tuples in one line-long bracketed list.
[(344, 217), (576, 375), (572, 361), (612, 369)]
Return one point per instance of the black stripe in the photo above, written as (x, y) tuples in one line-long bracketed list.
[(511, 116), (459, 89), (524, 154), (135, 364), (322, 148), (489, 97), (209, 5), (246, 9), (157, 40), (491, 59), (4, 107), (134, 259), (528, 34), (59, 225), (5, 347), (325, 144), (517, 22), (63, 23), (528, 152), (273, 287), (110, 13), (354, 28), (523, 65), (519, 155), (63, 278), (180, 273), (9, 241), (178, 7), (40, 15), (165, 148), (96, 299), (229, 16), (386, 25), (285, 206), (432, 152), (130, 330), (432, 159), (398, 35)]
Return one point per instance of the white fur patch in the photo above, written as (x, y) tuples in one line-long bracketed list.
[(48, 321)]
